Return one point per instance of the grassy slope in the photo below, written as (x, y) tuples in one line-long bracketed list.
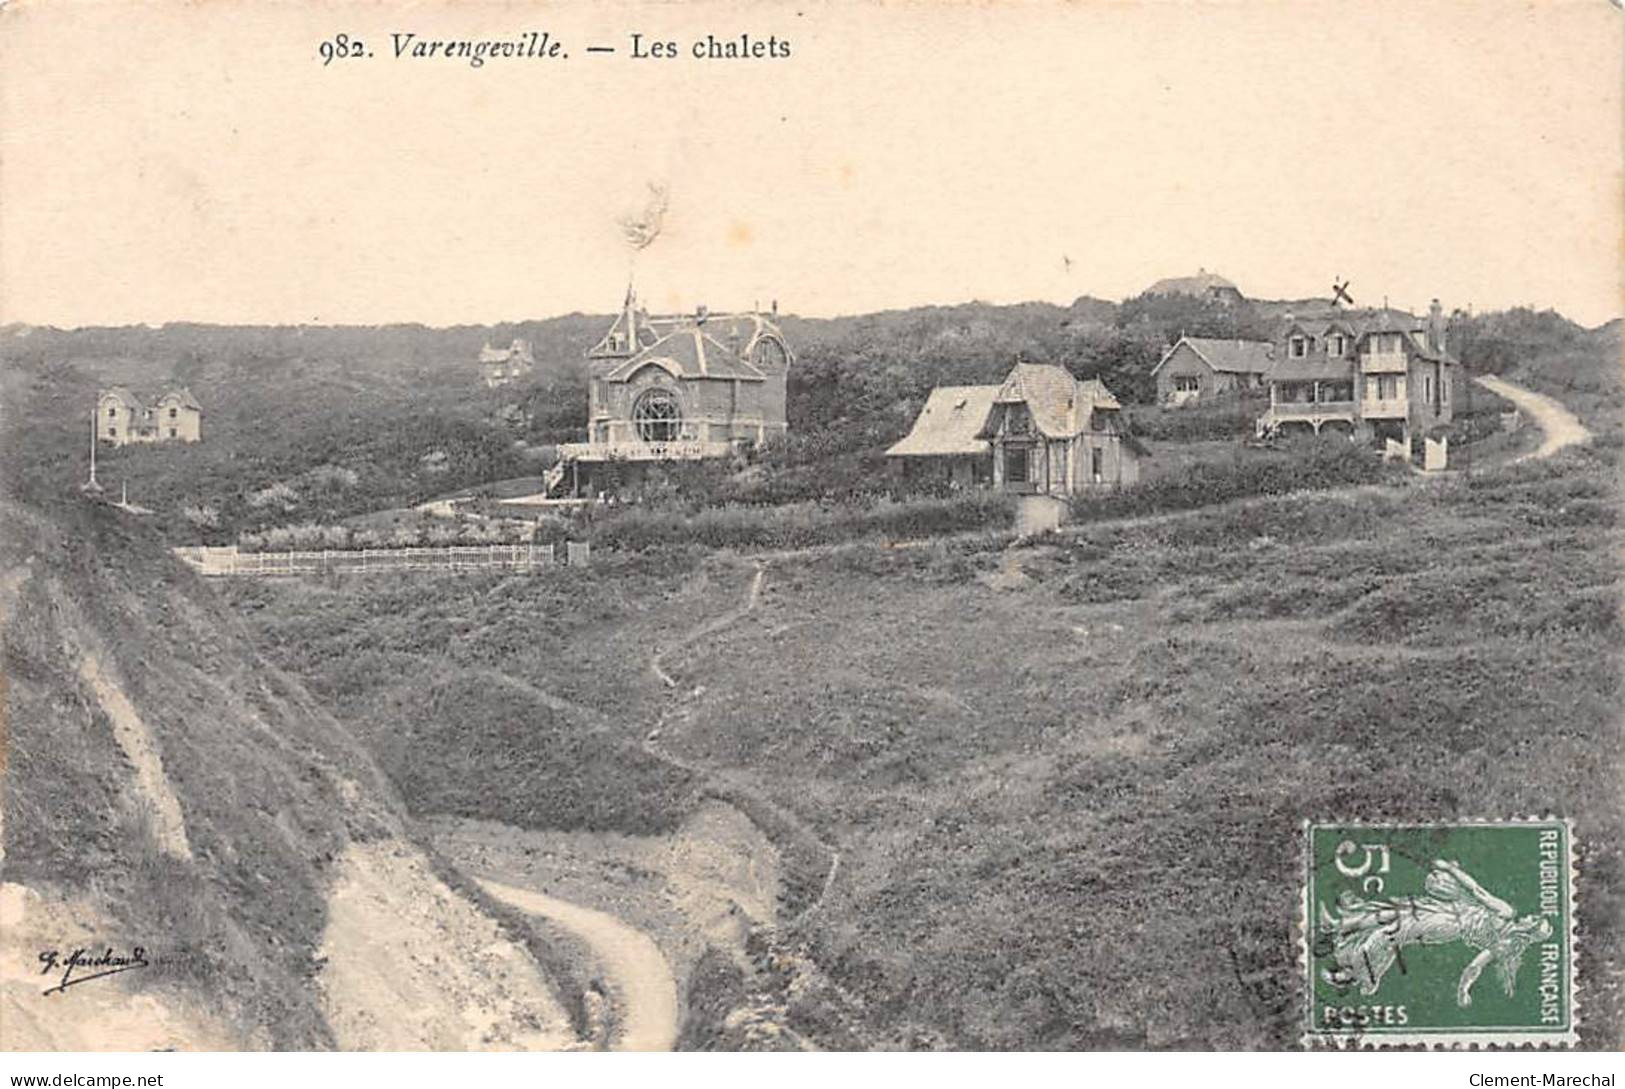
[(1067, 808), (1068, 811), (270, 788), (486, 696), (1067, 839)]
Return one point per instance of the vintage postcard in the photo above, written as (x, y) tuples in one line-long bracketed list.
[(859, 526)]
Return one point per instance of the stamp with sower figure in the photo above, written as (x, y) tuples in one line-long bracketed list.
[(1447, 934)]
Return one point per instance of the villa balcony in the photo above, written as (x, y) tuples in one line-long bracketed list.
[(637, 450), (1384, 363), (1310, 410), (1391, 408)]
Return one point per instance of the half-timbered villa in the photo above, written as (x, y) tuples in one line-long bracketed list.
[(1040, 431)]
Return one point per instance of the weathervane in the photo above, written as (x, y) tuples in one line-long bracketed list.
[(1340, 292)]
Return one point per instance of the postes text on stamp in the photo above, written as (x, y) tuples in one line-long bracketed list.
[(1447, 934)]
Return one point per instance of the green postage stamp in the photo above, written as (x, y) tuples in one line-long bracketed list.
[(1447, 934)]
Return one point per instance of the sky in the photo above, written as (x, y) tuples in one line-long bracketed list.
[(197, 161)]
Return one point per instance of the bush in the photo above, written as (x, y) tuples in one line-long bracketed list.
[(1317, 465), (1230, 416), (799, 525)]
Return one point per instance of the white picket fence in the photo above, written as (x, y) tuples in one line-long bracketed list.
[(524, 557)]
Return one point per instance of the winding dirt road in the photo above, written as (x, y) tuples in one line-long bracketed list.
[(634, 964), (1563, 429)]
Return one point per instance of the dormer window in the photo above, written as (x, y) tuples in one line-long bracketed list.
[(1017, 421), (1298, 347), (1335, 344)]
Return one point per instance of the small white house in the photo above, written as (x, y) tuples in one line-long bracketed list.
[(123, 418)]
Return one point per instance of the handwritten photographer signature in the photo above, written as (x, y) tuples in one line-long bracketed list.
[(83, 965)]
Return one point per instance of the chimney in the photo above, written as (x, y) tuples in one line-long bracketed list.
[(1436, 327), (775, 308)]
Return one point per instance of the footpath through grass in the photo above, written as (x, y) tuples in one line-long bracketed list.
[(1067, 780)]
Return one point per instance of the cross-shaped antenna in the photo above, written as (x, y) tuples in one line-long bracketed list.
[(1340, 292)]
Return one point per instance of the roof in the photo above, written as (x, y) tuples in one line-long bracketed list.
[(742, 327), (949, 423), (1200, 284), (1098, 392), (955, 418), (1053, 396), (689, 352), (1228, 356), (122, 393), (1049, 392), (1312, 368), (184, 396), (1357, 322)]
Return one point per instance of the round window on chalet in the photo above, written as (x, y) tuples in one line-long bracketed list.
[(769, 354), (657, 415)]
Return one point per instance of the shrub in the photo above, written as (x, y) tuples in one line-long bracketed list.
[(280, 496), (1316, 466), (798, 525), (1229, 416), (201, 515), (307, 536)]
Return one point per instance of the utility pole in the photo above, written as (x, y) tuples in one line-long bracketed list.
[(91, 486)]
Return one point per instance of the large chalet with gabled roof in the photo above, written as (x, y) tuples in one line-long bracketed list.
[(680, 387), (1380, 374)]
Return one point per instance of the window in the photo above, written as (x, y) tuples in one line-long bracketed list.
[(1015, 465), (172, 413), (657, 415), (112, 412), (172, 432), (1097, 460), (112, 432), (1187, 383), (1427, 387), (1335, 344), (1298, 348), (1017, 421), (1387, 386)]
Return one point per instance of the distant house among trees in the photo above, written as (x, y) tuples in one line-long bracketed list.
[(500, 366), (1199, 369), (1204, 285), (1040, 431), (1374, 375), (123, 418)]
